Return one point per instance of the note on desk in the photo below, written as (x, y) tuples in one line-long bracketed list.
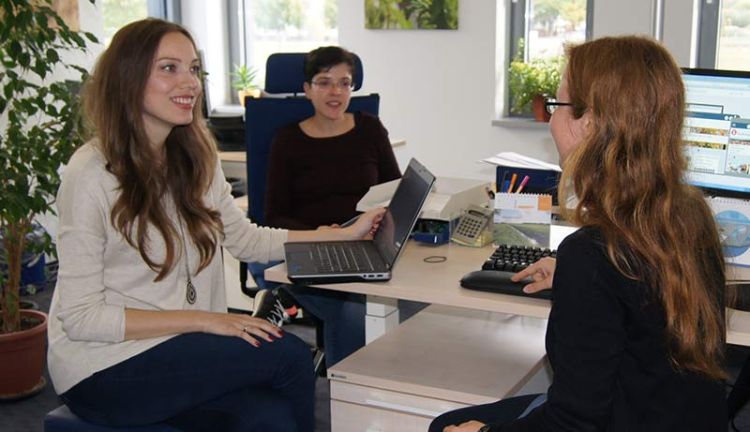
[(733, 220), (523, 208), (522, 219)]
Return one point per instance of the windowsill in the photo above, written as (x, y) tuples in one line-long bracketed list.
[(520, 123), (233, 110)]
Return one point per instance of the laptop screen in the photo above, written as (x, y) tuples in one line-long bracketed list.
[(403, 211)]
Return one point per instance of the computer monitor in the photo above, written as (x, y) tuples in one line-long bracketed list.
[(717, 131)]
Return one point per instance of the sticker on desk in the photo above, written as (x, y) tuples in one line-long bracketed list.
[(522, 219), (733, 221)]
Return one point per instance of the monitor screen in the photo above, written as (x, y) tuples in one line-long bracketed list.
[(717, 131)]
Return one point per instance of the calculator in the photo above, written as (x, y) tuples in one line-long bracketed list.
[(471, 229)]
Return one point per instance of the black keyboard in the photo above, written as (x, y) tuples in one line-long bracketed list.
[(504, 263)]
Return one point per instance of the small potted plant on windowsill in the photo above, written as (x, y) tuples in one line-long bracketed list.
[(38, 135), (531, 82), (243, 80)]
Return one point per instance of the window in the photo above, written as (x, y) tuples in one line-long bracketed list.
[(539, 31), (545, 26), (118, 13), (733, 51), (724, 31), (269, 26)]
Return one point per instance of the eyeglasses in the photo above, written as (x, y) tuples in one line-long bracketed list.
[(327, 84), (551, 105)]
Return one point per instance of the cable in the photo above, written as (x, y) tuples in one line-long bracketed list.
[(435, 259)]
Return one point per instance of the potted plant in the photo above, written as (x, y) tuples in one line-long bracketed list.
[(38, 133), (530, 82), (243, 80)]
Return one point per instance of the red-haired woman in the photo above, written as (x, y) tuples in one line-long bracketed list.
[(636, 332)]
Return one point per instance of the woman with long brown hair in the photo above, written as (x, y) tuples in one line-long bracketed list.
[(636, 331), (139, 331)]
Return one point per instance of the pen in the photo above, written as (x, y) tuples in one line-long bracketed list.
[(512, 182), (523, 183), (349, 222), (506, 186)]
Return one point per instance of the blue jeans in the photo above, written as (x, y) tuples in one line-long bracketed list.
[(500, 412), (204, 382), (343, 316)]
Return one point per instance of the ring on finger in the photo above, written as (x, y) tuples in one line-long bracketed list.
[(244, 329)]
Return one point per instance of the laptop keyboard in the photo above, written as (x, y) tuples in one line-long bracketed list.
[(342, 257)]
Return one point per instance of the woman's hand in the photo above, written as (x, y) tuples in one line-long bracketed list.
[(541, 271), (469, 426), (366, 225), (144, 324), (364, 228), (241, 326)]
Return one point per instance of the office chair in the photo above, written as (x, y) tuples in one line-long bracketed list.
[(285, 74)]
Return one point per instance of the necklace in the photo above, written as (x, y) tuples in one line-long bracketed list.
[(190, 294)]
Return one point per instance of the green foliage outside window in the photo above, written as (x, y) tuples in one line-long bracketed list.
[(548, 12), (278, 14), (118, 13), (331, 14)]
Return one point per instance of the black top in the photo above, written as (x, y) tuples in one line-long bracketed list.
[(607, 346), (318, 181)]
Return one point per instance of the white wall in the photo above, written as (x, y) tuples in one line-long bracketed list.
[(437, 87)]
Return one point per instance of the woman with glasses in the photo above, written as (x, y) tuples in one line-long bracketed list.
[(318, 170), (636, 332)]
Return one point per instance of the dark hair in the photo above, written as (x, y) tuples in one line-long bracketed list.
[(628, 176), (324, 58), (113, 105)]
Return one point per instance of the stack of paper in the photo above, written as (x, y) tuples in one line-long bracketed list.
[(515, 160)]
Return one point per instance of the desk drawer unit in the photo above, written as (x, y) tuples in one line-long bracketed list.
[(441, 359)]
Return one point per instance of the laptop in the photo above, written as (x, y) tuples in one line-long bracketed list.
[(329, 262)]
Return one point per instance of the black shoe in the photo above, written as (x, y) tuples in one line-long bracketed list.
[(268, 306)]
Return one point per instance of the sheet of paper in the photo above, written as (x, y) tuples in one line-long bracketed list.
[(378, 196), (512, 159)]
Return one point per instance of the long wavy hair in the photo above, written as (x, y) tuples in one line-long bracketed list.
[(113, 106), (628, 178)]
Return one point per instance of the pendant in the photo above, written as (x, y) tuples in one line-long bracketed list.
[(190, 295)]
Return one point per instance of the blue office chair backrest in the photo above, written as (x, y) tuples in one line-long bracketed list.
[(264, 116), (285, 73)]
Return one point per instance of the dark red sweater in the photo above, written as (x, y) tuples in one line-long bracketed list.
[(318, 181)]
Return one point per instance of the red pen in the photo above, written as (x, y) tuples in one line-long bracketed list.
[(523, 183)]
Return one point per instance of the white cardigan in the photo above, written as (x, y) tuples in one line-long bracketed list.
[(100, 274)]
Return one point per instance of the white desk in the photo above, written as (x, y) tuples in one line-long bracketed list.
[(414, 279), (436, 283), (441, 359)]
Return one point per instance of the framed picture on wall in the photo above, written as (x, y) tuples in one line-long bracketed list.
[(411, 14)]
